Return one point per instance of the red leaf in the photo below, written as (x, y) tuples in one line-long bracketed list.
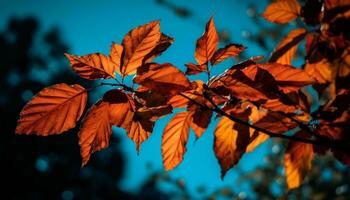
[(53, 110), (115, 55), (162, 45)]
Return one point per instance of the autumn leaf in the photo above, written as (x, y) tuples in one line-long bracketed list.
[(53, 110), (92, 66), (229, 50), (139, 131), (95, 131), (137, 44), (200, 117), (288, 78), (321, 71), (282, 11), (163, 44), (121, 108), (207, 43), (285, 50), (179, 101), (231, 140), (297, 162), (272, 122), (193, 69), (163, 78), (174, 140), (115, 55)]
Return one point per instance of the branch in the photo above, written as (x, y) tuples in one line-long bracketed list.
[(271, 134)]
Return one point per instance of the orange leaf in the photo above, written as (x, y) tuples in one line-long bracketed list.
[(321, 71), (297, 162), (284, 52), (282, 11), (137, 44), (200, 121), (288, 78), (115, 55), (162, 45), (174, 140), (139, 131), (193, 69), (179, 101), (92, 66), (95, 131), (207, 43), (121, 108), (163, 78), (226, 52), (231, 140), (53, 110)]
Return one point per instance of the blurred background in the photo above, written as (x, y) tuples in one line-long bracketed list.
[(33, 37)]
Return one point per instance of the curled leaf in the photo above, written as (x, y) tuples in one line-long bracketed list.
[(229, 50)]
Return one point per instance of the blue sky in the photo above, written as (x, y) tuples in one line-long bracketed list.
[(91, 26)]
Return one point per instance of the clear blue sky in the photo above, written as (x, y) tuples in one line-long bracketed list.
[(91, 26)]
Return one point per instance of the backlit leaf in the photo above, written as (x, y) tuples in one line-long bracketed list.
[(286, 49), (163, 78), (162, 45), (115, 55), (231, 140), (95, 131), (174, 140), (137, 44), (297, 162), (193, 69), (282, 11), (207, 43), (226, 52), (92, 66), (53, 110)]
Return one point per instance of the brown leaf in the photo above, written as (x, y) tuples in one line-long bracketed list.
[(207, 43), (137, 44), (95, 131), (285, 50), (282, 11), (140, 130), (231, 140), (179, 101), (163, 78), (115, 55), (297, 162), (174, 140), (193, 69), (288, 78), (53, 110), (229, 50), (121, 108), (162, 45), (200, 120), (321, 71), (92, 66)]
